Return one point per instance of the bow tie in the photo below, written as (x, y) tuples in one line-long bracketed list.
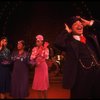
[(83, 39)]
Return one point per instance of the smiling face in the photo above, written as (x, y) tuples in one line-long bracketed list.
[(77, 28)]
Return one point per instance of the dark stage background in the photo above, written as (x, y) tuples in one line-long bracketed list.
[(26, 19)]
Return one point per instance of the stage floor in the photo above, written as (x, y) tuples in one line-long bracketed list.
[(55, 91)]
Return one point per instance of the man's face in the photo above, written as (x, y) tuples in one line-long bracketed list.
[(77, 28), (4, 42)]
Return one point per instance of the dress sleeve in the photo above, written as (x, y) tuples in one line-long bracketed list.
[(46, 53), (33, 54)]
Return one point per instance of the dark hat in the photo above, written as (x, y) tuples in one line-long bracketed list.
[(72, 20)]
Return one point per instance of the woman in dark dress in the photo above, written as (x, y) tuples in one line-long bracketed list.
[(5, 72), (20, 74)]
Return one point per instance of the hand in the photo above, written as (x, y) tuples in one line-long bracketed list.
[(67, 28), (46, 44), (84, 21)]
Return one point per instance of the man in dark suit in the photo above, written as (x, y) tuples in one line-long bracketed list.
[(81, 72)]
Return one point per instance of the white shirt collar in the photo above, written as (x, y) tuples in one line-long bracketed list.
[(76, 37)]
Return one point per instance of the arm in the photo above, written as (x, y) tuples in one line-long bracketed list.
[(46, 53), (60, 40), (6, 56), (86, 22), (91, 23), (33, 54), (94, 24)]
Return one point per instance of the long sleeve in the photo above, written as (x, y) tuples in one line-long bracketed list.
[(60, 42), (96, 24), (46, 53), (5, 56), (94, 27), (33, 54), (93, 37)]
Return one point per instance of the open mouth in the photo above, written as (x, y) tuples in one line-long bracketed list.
[(79, 28)]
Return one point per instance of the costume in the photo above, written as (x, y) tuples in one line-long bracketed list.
[(5, 70), (41, 79), (80, 72), (20, 75)]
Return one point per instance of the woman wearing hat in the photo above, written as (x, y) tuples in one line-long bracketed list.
[(20, 74), (81, 72), (41, 80)]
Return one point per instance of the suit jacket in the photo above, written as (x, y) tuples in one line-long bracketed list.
[(76, 50)]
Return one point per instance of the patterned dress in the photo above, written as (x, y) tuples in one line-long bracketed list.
[(41, 80), (20, 75), (5, 70)]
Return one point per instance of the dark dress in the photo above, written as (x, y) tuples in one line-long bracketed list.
[(5, 71), (20, 75)]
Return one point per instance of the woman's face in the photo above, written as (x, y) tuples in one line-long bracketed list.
[(20, 46), (39, 43)]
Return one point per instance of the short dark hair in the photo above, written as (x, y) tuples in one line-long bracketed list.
[(3, 37), (22, 41)]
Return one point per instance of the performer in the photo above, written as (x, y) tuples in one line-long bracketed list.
[(41, 80), (81, 70), (20, 74), (5, 72)]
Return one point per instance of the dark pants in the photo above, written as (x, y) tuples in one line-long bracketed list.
[(87, 84)]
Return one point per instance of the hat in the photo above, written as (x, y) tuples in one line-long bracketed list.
[(72, 20), (40, 37)]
